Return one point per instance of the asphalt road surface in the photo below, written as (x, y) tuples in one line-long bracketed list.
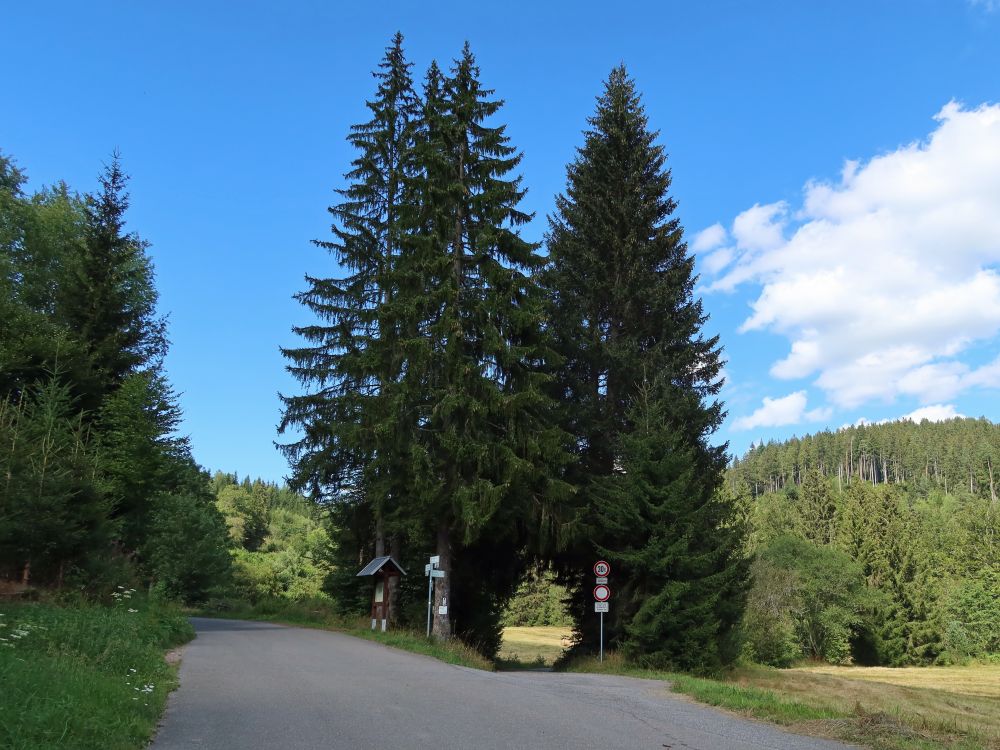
[(249, 685)]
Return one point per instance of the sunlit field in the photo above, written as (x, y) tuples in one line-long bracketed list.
[(981, 680), (533, 645), (942, 706)]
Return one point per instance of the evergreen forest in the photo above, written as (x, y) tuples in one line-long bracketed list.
[(874, 544), (97, 489)]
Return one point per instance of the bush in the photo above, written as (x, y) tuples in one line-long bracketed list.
[(186, 550), (539, 601), (806, 601), (768, 622)]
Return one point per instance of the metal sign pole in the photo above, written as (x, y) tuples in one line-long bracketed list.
[(602, 636), (430, 595)]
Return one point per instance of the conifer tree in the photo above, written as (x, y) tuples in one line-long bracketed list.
[(674, 538), (817, 508), (351, 358), (111, 301), (623, 313), (52, 514), (488, 443), (40, 248)]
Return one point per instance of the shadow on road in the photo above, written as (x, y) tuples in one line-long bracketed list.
[(211, 624)]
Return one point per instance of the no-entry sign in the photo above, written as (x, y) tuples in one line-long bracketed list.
[(602, 592), (601, 568)]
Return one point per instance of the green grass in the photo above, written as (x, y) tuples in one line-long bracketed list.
[(85, 676), (762, 704), (317, 613)]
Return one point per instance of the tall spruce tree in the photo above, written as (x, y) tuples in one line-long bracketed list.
[(111, 301), (627, 325), (354, 421), (488, 441)]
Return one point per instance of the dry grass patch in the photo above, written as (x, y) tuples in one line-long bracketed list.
[(983, 680), (920, 706), (534, 645)]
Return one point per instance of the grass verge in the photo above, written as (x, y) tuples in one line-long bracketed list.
[(85, 676), (915, 713), (317, 614)]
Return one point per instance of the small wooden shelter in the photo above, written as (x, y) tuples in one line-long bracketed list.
[(382, 569)]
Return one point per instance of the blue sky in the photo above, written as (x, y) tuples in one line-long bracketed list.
[(837, 168)]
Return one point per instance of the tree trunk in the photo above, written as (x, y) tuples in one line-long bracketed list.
[(379, 537), (442, 586), (26, 573), (993, 492)]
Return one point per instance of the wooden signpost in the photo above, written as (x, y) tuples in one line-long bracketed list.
[(383, 570)]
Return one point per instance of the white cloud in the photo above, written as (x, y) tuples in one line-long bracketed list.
[(780, 412), (718, 260), (945, 380), (883, 278), (708, 239), (935, 413), (760, 227), (775, 412), (819, 415)]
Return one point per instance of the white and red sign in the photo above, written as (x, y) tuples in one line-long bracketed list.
[(602, 592), (602, 569)]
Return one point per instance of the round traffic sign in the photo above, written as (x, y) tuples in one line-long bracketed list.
[(601, 568), (602, 593)]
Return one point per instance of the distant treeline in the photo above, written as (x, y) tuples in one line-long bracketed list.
[(951, 454), (877, 544)]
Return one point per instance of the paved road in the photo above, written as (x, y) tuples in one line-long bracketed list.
[(249, 686)]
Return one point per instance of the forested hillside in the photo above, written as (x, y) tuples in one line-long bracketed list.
[(280, 542), (97, 489), (876, 543)]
